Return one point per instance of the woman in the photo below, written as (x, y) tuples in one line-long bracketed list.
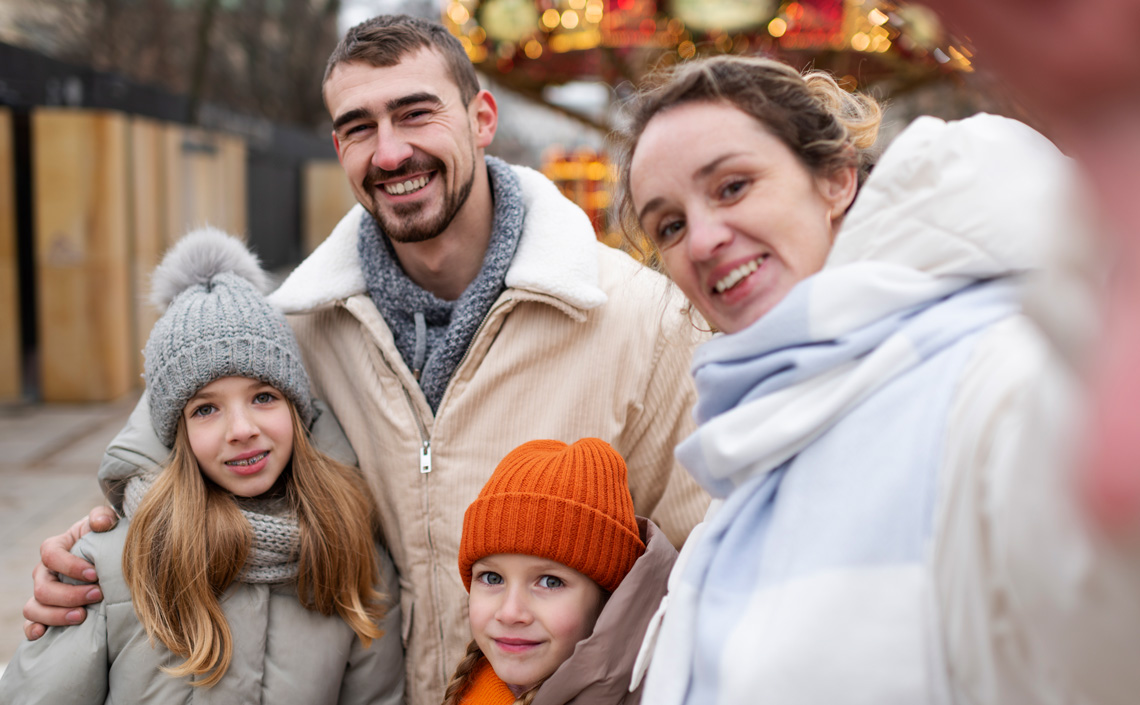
[(879, 419)]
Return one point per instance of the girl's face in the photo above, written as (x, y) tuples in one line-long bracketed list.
[(241, 432), (738, 219), (527, 613)]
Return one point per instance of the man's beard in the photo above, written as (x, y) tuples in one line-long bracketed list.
[(408, 222)]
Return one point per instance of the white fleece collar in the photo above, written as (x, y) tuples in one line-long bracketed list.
[(556, 255)]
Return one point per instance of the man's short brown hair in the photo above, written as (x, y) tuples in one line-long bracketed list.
[(385, 40)]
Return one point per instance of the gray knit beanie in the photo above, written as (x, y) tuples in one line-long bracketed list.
[(216, 324)]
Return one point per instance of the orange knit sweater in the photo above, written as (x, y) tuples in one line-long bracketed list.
[(486, 688)]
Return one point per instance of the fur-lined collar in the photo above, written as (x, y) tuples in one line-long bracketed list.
[(556, 255)]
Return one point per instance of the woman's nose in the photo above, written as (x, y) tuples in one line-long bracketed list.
[(707, 235)]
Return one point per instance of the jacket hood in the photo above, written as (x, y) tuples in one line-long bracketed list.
[(555, 255), (971, 198), (601, 667)]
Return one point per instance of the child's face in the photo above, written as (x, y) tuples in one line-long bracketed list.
[(527, 613), (241, 432)]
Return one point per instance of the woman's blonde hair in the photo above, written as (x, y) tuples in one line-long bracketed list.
[(826, 127), (188, 541), (465, 673)]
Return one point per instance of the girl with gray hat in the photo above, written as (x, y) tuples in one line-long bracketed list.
[(245, 570)]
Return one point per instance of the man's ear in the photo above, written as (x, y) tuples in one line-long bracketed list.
[(484, 112), (839, 188)]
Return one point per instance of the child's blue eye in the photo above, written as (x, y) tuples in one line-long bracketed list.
[(490, 578), (549, 581), (263, 398)]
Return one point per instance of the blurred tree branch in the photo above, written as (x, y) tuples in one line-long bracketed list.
[(260, 57)]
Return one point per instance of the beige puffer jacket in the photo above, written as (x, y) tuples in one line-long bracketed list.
[(583, 342)]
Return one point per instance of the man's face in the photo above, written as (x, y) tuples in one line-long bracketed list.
[(409, 145)]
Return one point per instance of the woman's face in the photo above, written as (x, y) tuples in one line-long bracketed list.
[(738, 218)]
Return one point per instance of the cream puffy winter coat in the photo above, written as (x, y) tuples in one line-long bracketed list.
[(583, 342), (892, 442)]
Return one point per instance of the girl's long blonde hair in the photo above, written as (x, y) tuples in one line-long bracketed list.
[(465, 673), (188, 541)]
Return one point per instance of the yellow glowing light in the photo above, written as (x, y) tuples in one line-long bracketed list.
[(860, 41), (794, 11), (593, 13), (478, 54), (551, 18), (533, 49), (675, 26), (879, 32), (777, 27), (596, 171), (458, 14), (478, 35), (877, 42), (724, 43), (577, 4), (569, 19), (877, 17), (687, 49), (885, 45)]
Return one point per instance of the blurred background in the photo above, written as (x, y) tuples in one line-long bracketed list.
[(124, 123)]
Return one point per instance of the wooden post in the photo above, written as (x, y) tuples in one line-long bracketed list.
[(148, 206), (325, 198), (205, 181), (80, 194), (11, 386)]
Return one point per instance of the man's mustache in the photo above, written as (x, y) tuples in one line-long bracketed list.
[(376, 175)]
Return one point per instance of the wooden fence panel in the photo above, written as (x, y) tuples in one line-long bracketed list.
[(326, 198), (80, 213), (205, 181), (150, 236), (11, 385)]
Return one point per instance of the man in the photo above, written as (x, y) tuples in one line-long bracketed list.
[(462, 309)]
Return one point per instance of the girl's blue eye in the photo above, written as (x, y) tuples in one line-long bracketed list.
[(490, 578), (551, 582), (204, 410)]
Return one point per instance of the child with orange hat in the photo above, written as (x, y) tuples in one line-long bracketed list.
[(563, 580)]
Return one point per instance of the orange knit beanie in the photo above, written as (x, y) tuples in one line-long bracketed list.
[(567, 503)]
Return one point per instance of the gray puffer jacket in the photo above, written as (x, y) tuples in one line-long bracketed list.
[(282, 653)]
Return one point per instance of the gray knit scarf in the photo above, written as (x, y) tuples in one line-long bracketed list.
[(431, 334), (276, 536)]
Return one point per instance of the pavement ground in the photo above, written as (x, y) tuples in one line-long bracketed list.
[(49, 457)]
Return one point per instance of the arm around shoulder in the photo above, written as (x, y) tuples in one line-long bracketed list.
[(66, 666)]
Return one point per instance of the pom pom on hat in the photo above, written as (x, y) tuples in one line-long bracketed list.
[(567, 503), (199, 257), (216, 324)]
